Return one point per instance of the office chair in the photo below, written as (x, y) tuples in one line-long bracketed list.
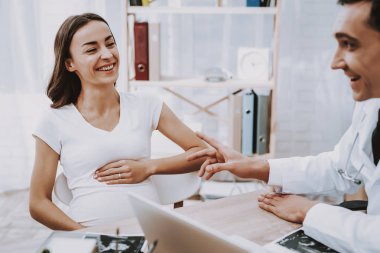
[(355, 205), (171, 189)]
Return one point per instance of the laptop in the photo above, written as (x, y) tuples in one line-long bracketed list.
[(172, 232)]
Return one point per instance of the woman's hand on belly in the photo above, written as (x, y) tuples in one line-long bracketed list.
[(123, 172)]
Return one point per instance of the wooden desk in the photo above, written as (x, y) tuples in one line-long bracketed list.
[(236, 215)]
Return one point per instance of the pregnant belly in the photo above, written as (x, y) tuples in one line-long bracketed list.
[(102, 205)]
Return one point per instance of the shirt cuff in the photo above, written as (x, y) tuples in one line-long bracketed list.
[(313, 216), (275, 172)]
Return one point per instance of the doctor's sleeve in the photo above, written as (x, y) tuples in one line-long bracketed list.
[(342, 229)]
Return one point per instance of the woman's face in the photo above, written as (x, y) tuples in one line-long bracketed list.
[(94, 55)]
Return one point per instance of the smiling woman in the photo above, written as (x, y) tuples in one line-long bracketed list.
[(100, 137)]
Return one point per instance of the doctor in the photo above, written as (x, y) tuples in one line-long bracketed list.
[(353, 162)]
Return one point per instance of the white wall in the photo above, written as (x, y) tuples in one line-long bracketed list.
[(314, 103)]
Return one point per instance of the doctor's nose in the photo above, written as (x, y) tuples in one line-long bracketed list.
[(338, 62)]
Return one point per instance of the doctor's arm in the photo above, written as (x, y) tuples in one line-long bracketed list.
[(292, 174), (41, 207), (336, 227), (137, 171)]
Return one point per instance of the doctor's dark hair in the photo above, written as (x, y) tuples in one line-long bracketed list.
[(374, 16), (64, 86)]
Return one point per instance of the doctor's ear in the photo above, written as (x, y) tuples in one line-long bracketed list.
[(69, 65)]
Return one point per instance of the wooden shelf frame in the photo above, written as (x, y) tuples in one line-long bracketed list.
[(203, 10), (200, 83)]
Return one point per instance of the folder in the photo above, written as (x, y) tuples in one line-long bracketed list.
[(248, 138), (263, 123), (154, 52), (141, 38), (264, 3), (236, 102), (135, 2), (253, 3)]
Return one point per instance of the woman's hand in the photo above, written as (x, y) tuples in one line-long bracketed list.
[(220, 157), (292, 208), (123, 172)]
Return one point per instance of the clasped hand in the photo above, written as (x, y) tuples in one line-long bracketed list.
[(122, 172), (219, 158)]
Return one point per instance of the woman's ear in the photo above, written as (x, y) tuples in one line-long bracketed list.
[(69, 65)]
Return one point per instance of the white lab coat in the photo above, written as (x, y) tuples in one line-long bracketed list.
[(339, 228)]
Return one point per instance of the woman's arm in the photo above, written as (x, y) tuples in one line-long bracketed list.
[(41, 207), (128, 171), (170, 126)]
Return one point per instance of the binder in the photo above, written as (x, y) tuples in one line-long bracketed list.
[(236, 102), (248, 138), (264, 3), (253, 3), (154, 52), (263, 123), (135, 2), (141, 38)]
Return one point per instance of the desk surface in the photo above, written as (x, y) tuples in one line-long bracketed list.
[(235, 215)]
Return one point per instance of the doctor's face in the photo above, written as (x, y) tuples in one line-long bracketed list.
[(358, 51)]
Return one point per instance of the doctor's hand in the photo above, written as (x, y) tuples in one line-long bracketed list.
[(123, 172), (220, 157), (292, 208)]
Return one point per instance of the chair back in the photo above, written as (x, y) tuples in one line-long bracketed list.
[(171, 189), (176, 187)]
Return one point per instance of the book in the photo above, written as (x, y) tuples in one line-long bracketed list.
[(154, 52), (248, 135), (145, 2), (263, 123), (131, 47), (235, 107), (141, 41), (253, 3), (135, 2)]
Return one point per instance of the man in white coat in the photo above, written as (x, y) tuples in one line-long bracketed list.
[(349, 165)]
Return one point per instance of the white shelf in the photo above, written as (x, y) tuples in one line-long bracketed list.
[(200, 83), (202, 10)]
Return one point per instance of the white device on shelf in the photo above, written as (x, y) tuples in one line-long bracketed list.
[(253, 63)]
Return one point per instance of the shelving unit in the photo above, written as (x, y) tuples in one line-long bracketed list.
[(202, 10), (168, 83), (201, 83)]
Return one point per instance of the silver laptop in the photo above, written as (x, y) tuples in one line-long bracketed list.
[(175, 233)]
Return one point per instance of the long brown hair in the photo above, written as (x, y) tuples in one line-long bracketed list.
[(64, 86)]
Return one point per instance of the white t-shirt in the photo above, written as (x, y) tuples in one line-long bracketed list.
[(84, 148)]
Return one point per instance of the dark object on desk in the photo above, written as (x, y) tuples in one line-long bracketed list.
[(302, 243), (124, 244), (355, 205)]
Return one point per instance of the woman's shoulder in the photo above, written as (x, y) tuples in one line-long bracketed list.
[(56, 114)]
